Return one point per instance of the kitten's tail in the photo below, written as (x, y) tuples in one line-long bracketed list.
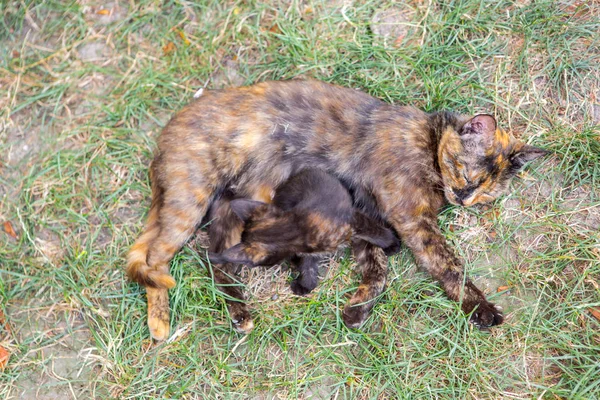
[(138, 269)]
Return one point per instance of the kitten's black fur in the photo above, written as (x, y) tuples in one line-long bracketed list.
[(311, 214)]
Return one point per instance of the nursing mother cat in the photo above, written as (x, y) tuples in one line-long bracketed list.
[(407, 163)]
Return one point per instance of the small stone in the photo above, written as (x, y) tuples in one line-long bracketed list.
[(275, 296)]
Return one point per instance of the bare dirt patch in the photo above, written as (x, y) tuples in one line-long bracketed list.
[(59, 363), (22, 139)]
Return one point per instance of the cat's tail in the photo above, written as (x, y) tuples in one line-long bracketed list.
[(138, 269)]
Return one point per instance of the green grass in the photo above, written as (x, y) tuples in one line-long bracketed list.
[(78, 194)]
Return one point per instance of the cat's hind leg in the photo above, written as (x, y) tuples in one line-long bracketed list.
[(139, 271), (179, 216), (373, 264), (155, 281)]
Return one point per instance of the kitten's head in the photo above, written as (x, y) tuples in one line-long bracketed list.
[(270, 235), (477, 160)]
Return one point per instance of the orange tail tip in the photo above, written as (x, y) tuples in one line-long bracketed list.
[(146, 276), (162, 280)]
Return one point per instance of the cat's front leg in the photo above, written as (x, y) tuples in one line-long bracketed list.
[(307, 267), (373, 264), (433, 253)]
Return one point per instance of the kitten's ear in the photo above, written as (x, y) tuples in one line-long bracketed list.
[(525, 154), (481, 124), (244, 208), (371, 231), (234, 255)]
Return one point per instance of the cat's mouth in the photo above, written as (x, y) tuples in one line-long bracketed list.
[(452, 198), (473, 200)]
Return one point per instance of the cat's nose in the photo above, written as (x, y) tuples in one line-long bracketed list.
[(458, 196)]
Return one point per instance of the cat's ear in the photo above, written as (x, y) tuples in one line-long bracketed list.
[(482, 125), (235, 255), (478, 134), (524, 154), (245, 208)]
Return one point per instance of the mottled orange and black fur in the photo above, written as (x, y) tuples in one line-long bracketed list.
[(252, 139)]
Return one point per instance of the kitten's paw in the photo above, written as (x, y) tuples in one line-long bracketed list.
[(355, 316), (241, 319), (159, 329), (486, 315), (298, 289)]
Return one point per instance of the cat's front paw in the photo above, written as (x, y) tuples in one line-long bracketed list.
[(244, 326), (486, 315), (299, 289), (355, 316), (241, 318)]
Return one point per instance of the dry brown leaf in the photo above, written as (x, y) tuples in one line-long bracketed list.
[(103, 12), (399, 40), (502, 288), (182, 36), (578, 9), (4, 356), (169, 48), (275, 29), (491, 213), (595, 311), (8, 228)]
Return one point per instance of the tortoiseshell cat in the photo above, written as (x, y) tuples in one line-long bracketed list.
[(254, 138), (311, 214)]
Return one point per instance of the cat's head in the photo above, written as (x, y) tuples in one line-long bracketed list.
[(477, 160)]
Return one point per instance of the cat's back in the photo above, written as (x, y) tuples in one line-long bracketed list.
[(258, 107), (303, 92)]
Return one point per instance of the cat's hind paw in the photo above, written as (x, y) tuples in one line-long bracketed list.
[(486, 315), (354, 316), (159, 329)]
